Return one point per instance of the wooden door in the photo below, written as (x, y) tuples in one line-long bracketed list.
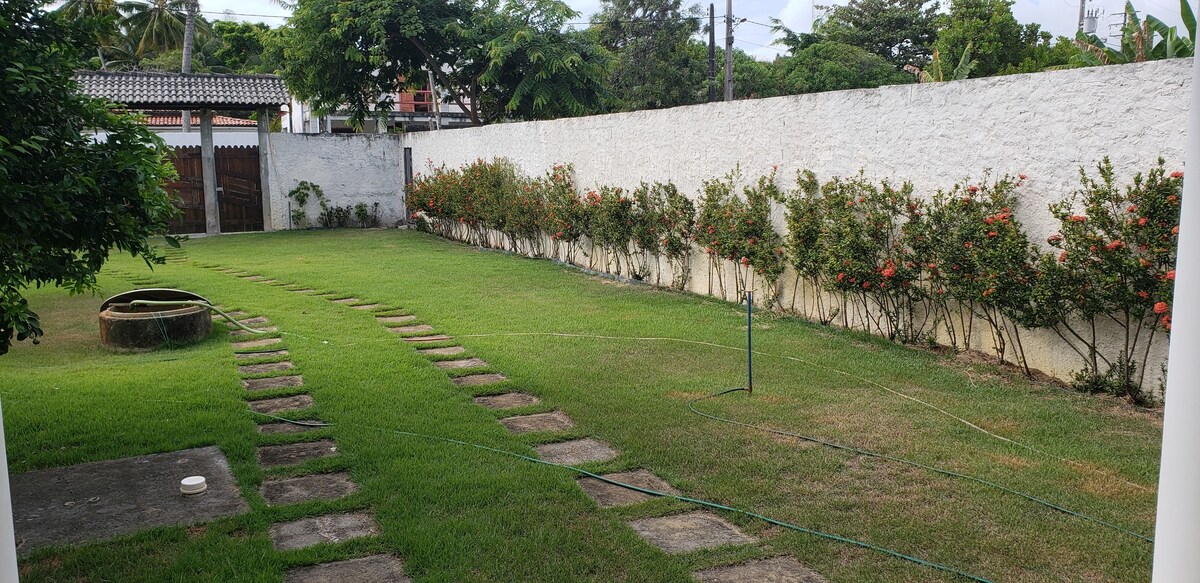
[(239, 190), (189, 192)]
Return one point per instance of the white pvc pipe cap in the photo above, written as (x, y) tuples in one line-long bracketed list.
[(193, 485)]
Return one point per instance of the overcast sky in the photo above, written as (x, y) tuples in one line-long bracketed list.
[(1057, 16)]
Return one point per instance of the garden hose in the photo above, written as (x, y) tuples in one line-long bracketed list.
[(231, 319), (697, 501)]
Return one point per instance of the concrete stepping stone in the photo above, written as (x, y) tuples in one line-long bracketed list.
[(251, 321), (235, 314), (684, 533), (367, 306), (447, 351), (256, 343), (347, 301), (285, 427), (263, 354), (576, 451), (286, 454), (507, 401), (281, 404), (256, 331), (273, 382), (307, 488), (479, 379), (465, 363), (411, 329), (372, 569), (252, 277), (434, 338), (302, 291), (331, 528), (553, 421), (264, 367), (607, 495), (774, 570), (269, 281), (395, 319)]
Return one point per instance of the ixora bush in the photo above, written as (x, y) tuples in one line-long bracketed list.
[(954, 266), (331, 215)]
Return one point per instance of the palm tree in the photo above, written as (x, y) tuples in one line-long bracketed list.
[(109, 10), (157, 26), (189, 42)]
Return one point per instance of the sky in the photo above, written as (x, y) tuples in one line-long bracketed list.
[(1060, 17)]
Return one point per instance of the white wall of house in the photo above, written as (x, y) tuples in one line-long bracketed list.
[(240, 136), (350, 168)]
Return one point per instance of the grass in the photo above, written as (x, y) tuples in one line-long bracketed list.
[(459, 514)]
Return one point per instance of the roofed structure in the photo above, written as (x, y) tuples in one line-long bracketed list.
[(174, 119), (184, 91)]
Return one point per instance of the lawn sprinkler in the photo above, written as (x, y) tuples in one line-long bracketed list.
[(749, 342)]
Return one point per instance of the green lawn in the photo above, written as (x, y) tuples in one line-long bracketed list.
[(455, 513)]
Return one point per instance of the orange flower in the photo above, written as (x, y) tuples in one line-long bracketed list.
[(1177, 174), (1161, 308)]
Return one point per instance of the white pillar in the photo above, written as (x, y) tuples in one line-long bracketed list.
[(208, 170), (264, 164), (8, 536), (1177, 534)]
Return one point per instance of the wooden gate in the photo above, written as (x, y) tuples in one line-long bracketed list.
[(239, 189)]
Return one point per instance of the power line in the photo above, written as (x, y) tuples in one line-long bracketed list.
[(232, 13)]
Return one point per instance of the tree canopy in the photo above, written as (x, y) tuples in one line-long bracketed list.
[(997, 39), (656, 61), (67, 199), (901, 31)]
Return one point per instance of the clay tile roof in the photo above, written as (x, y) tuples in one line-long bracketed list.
[(174, 119), (171, 90)]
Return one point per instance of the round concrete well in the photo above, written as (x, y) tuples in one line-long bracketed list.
[(125, 327)]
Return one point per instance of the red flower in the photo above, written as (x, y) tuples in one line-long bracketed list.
[(1177, 174), (745, 261), (973, 188), (889, 271), (1132, 208), (1143, 294), (967, 245), (1054, 238), (1142, 221), (866, 285), (992, 233), (708, 250), (1114, 245), (1175, 230), (752, 240), (840, 277), (1062, 257), (1161, 308), (1022, 176), (989, 220), (1166, 322), (1077, 218), (1171, 275)]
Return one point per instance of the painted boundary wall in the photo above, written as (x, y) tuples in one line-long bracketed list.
[(349, 168), (1043, 125)]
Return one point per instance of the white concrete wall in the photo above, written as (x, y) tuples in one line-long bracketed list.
[(350, 168), (1044, 125)]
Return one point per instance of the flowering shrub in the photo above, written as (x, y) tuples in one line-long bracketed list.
[(738, 229), (610, 224), (566, 218), (1114, 261), (663, 224)]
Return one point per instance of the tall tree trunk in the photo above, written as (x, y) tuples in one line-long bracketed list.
[(189, 39)]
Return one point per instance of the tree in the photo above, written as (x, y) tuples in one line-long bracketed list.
[(67, 199), (241, 46), (831, 66), (496, 58), (901, 31), (652, 42), (1042, 52), (156, 26), (106, 16), (989, 26), (1138, 40)]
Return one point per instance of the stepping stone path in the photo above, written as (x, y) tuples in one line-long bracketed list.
[(287, 454), (263, 354), (367, 306), (265, 367), (774, 570), (256, 331), (684, 533), (411, 329), (256, 343), (347, 301), (237, 314), (553, 421), (447, 351), (507, 401), (479, 379), (331, 528), (394, 319), (576, 451), (273, 382), (307, 488), (252, 321), (302, 291), (607, 495), (434, 338), (284, 427), (465, 363), (281, 404), (372, 569)]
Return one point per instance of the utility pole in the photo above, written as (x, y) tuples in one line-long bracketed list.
[(712, 53), (728, 50), (1082, 3), (189, 39)]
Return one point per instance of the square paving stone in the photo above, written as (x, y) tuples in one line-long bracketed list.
[(307, 488), (264, 367), (303, 291), (263, 354), (507, 400), (367, 306), (465, 363), (478, 379), (292, 403), (347, 301), (411, 329), (252, 277), (331, 528), (252, 321), (256, 343), (372, 569), (434, 338), (447, 351), (100, 500), (576, 451), (269, 281), (284, 427), (273, 382), (235, 314), (607, 495), (262, 330), (395, 319), (553, 421), (684, 533), (287, 454), (774, 570)]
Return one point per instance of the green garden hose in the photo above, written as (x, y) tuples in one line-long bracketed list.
[(231, 319)]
